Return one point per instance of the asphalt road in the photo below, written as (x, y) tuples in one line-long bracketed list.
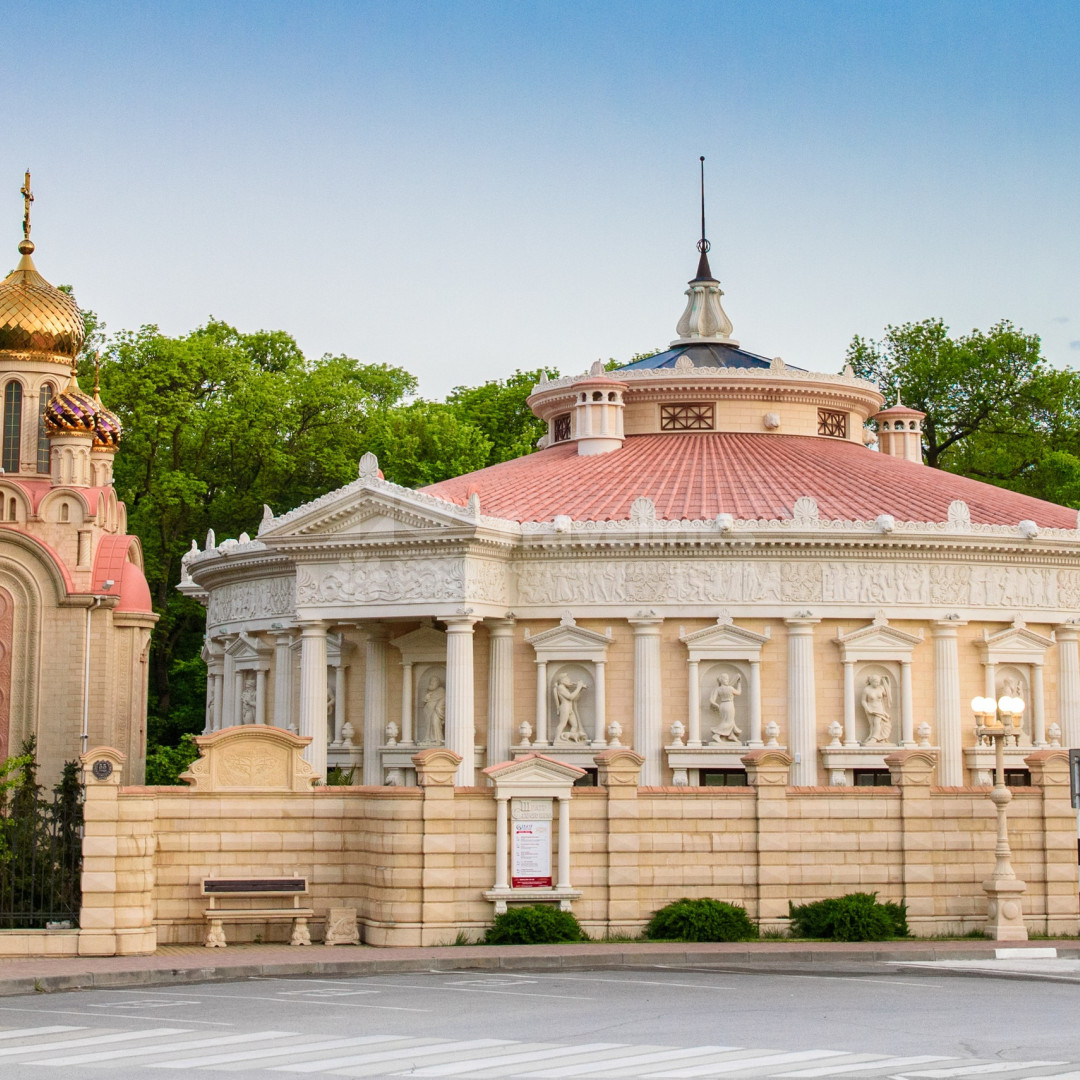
[(590, 1024)]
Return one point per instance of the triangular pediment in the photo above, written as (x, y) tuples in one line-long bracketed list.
[(533, 771), (724, 640), (569, 641), (245, 648), (1015, 643), (878, 640), (425, 644)]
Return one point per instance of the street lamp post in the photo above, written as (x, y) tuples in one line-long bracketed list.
[(1005, 910)]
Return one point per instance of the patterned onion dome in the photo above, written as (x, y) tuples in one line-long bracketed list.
[(37, 321), (107, 427), (71, 412)]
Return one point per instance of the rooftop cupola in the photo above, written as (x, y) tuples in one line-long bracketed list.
[(900, 431), (704, 321), (597, 415)]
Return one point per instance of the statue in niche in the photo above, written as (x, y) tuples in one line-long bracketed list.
[(247, 699), (877, 705), (566, 693), (722, 701), (434, 707)]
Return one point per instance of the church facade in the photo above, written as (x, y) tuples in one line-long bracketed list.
[(75, 611), (706, 556)]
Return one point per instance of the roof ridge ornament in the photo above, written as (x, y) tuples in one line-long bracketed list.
[(704, 320)]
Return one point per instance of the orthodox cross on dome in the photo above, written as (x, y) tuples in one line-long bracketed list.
[(28, 198), (704, 320)]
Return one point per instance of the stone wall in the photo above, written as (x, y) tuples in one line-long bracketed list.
[(415, 862)]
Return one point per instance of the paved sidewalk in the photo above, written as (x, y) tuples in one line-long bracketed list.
[(194, 963)]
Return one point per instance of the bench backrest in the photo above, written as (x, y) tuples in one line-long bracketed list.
[(290, 886)]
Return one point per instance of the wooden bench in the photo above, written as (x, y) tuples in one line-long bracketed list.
[(234, 888)]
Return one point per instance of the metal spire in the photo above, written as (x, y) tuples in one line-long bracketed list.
[(704, 273)]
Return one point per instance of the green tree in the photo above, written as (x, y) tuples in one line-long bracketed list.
[(498, 409), (994, 407)]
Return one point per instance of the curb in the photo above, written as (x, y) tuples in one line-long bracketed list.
[(746, 961)]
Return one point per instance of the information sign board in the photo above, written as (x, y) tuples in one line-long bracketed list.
[(530, 866)]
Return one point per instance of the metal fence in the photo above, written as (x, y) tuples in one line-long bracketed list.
[(41, 858)]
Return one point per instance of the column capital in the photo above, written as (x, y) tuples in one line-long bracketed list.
[(503, 627), (803, 623), (1067, 632), (313, 627), (461, 623), (646, 622), (947, 627)]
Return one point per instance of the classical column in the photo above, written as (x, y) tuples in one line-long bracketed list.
[(849, 704), (283, 680), (500, 725), (313, 693), (219, 699), (502, 877), (260, 696), (460, 722), (406, 702), (648, 696), (991, 681), (374, 702), (1038, 710), (1068, 640), (693, 733), (802, 704), (339, 700), (563, 880), (600, 702), (540, 734), (755, 705), (948, 710), (238, 696), (907, 714)]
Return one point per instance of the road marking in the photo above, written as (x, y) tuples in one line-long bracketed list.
[(503, 993), (321, 992), (636, 982), (875, 1063), (93, 1040), (292, 1001), (985, 1070), (27, 1033), (43, 1010), (138, 1004), (655, 1057), (279, 1051), (540, 1050), (166, 1048), (425, 1049), (764, 1058)]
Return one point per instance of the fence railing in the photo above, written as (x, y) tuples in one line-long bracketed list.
[(41, 859)]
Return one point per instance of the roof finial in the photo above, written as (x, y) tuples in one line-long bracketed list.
[(97, 377), (26, 246), (704, 273)]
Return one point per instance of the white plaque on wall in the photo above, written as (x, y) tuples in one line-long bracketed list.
[(530, 866)]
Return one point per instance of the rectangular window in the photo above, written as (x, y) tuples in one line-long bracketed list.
[(686, 417), (872, 777), (43, 438), (833, 423), (561, 428), (723, 778), (1017, 778), (589, 779), (12, 426)]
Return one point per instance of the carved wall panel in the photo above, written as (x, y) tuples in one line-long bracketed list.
[(260, 599), (368, 581)]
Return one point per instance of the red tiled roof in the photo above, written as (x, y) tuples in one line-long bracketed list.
[(746, 475)]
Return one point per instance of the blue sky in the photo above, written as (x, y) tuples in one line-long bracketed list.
[(469, 188)]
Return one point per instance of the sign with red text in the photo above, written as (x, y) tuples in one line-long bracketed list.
[(530, 850)]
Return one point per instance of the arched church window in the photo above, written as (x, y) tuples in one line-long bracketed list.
[(44, 397), (12, 425)]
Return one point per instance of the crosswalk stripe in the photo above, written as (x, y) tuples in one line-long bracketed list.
[(875, 1062), (655, 1057), (984, 1070), (440, 1047), (27, 1033), (167, 1048), (750, 1063), (277, 1051), (522, 1057), (95, 1040), (1062, 1076)]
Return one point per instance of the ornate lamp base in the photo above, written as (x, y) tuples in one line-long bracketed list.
[(1005, 912)]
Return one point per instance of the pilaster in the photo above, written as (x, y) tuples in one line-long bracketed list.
[(619, 774), (1068, 643), (460, 696), (912, 771), (313, 693), (802, 700), (375, 698), (1050, 771), (648, 695), (768, 772), (948, 709), (500, 690)]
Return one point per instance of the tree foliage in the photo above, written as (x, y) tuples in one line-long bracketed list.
[(995, 409)]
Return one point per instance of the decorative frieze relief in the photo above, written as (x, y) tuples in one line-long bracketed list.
[(243, 600)]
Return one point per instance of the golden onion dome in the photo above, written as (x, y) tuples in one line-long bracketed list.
[(107, 427), (37, 321), (71, 412)]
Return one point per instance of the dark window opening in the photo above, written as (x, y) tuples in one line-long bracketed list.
[(697, 417), (1017, 778), (561, 428), (832, 423), (723, 778), (590, 779), (872, 777)]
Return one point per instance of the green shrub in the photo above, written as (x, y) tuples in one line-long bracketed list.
[(700, 920), (164, 764), (854, 917), (534, 925)]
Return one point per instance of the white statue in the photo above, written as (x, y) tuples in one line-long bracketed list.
[(434, 706), (247, 699), (211, 694), (566, 693), (525, 730), (877, 704), (392, 732), (678, 730), (723, 701), (614, 733), (348, 734), (836, 729)]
